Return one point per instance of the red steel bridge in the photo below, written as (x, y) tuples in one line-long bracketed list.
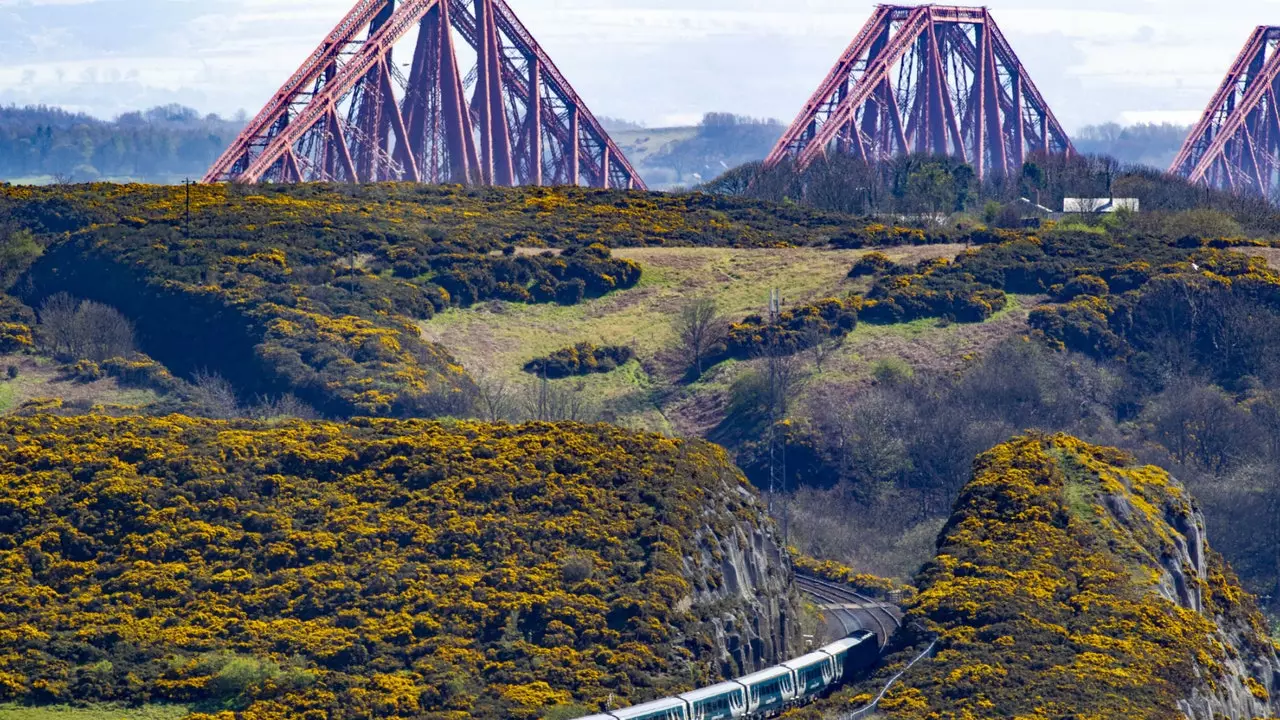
[(1236, 145), (931, 78), (438, 91)]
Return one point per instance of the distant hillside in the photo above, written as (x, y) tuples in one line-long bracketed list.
[(688, 156), (166, 145), (161, 145)]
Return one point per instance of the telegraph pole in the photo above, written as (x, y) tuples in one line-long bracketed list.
[(777, 441), (187, 228)]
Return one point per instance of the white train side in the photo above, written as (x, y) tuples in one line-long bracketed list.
[(765, 693)]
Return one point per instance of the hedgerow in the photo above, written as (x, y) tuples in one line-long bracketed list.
[(373, 568), (581, 359)]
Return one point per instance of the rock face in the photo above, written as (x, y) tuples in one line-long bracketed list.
[(741, 582), (1072, 583)]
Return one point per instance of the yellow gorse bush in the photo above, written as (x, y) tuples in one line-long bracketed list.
[(1048, 604), (375, 568)]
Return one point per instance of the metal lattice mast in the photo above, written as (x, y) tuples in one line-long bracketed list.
[(482, 103), (1236, 145), (931, 79)]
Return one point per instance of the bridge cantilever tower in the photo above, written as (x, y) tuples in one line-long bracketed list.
[(481, 103), (926, 79), (1236, 145)]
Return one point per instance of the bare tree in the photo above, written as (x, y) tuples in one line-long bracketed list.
[(88, 330), (821, 344), (214, 396), (546, 401), (58, 324), (701, 327), (102, 332), (497, 397), (284, 407)]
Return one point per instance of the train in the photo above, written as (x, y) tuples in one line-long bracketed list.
[(765, 693)]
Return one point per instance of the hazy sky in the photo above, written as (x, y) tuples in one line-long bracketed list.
[(656, 61)]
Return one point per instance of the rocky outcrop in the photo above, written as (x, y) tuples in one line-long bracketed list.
[(1071, 582), (741, 581)]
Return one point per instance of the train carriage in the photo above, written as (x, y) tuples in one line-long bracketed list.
[(858, 651), (718, 702), (764, 693), (664, 709), (769, 690), (815, 673)]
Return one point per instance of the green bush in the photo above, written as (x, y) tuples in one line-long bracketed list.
[(581, 359)]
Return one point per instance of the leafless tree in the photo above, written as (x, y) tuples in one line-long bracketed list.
[(497, 397), (58, 324), (214, 396), (284, 407), (821, 344), (546, 401), (102, 332), (701, 327), (88, 330)]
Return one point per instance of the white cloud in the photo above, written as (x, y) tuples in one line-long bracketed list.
[(650, 60)]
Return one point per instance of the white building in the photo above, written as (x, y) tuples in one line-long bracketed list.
[(1098, 206)]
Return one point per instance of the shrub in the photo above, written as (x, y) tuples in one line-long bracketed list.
[(390, 562), (871, 264), (581, 359), (1082, 285)]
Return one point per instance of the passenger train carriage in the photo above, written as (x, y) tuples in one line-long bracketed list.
[(765, 693)]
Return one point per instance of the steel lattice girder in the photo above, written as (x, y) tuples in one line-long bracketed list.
[(926, 79), (1236, 145), (349, 114)]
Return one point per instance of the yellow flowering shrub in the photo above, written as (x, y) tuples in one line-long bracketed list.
[(1051, 601), (375, 568)]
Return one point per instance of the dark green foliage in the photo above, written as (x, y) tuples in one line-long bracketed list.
[(581, 359), (798, 328)]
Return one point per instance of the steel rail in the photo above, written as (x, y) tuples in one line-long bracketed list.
[(848, 594), (839, 612)]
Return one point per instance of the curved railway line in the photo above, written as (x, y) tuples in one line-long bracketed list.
[(851, 608)]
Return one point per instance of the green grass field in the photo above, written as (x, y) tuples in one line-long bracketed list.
[(495, 340), (93, 712), (40, 378)]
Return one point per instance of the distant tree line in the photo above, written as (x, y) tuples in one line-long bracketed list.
[(161, 145), (934, 189), (1151, 144)]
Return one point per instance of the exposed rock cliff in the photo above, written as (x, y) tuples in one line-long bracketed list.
[(1072, 583), (741, 580)]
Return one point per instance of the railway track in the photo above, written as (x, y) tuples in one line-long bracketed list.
[(840, 597)]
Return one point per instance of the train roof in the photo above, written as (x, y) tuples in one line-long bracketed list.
[(598, 717), (805, 661), (772, 673), (647, 708), (848, 643), (723, 688)]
